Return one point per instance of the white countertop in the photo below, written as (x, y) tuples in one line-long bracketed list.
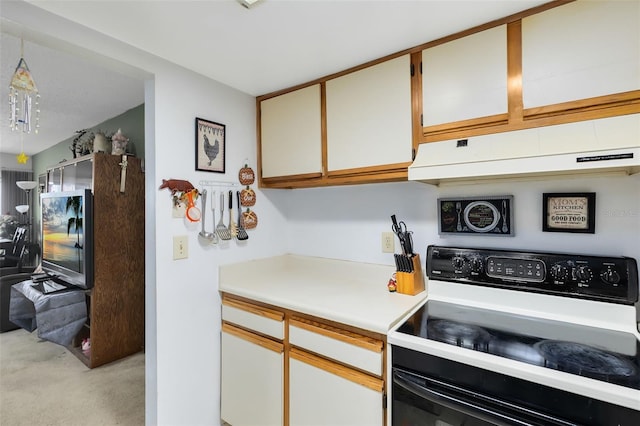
[(350, 293)]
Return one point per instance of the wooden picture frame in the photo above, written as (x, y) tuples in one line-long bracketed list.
[(211, 144), (569, 212)]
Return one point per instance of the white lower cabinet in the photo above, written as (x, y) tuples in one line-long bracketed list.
[(252, 379), (330, 373), (325, 393)]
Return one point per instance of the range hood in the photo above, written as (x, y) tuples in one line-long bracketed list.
[(603, 146)]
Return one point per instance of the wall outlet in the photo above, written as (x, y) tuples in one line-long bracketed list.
[(388, 242), (180, 247)]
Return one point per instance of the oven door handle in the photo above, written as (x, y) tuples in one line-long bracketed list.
[(483, 412)]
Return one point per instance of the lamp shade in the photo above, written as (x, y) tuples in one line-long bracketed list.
[(26, 184), (23, 208)]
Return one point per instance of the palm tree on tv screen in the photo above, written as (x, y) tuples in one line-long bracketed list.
[(74, 203)]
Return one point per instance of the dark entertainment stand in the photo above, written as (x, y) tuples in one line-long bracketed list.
[(115, 304)]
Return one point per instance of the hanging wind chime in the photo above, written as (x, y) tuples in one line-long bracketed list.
[(23, 101)]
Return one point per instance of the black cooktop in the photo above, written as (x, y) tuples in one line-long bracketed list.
[(606, 355)]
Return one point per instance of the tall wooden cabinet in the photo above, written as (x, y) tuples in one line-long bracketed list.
[(115, 304)]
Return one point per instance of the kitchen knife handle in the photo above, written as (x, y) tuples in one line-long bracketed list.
[(409, 242)]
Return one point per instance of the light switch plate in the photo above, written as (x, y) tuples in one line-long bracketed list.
[(180, 247)]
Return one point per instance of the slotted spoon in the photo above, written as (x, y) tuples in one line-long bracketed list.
[(221, 230), (213, 217)]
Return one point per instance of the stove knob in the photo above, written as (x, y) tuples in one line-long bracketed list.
[(458, 262), (610, 276), (559, 272), (476, 265), (583, 273)]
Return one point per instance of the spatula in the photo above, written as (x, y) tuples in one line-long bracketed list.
[(222, 230), (242, 234)]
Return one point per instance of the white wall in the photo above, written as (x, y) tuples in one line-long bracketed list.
[(347, 222), (187, 300)]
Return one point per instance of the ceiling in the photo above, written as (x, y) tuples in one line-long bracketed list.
[(273, 45)]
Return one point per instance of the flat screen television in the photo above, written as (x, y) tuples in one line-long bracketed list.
[(67, 236)]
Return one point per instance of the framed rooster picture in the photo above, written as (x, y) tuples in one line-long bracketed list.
[(210, 146)]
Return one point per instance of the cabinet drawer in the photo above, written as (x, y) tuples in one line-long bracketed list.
[(347, 347), (257, 318)]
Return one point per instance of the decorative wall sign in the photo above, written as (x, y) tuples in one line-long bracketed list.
[(210, 146), (490, 215), (569, 212)]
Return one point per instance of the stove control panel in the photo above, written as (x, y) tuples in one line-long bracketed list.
[(612, 279)]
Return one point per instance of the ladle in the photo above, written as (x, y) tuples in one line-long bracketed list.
[(205, 237)]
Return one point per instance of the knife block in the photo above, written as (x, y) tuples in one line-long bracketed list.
[(411, 283)]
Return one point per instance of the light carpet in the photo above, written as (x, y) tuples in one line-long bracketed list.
[(42, 383)]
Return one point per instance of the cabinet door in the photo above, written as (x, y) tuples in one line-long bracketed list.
[(252, 378), (291, 135), (369, 116), (78, 175), (598, 52), (465, 78), (326, 393)]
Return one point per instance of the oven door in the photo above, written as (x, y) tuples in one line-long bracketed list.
[(419, 400)]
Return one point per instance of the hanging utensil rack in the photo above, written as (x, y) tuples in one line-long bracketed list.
[(218, 183)]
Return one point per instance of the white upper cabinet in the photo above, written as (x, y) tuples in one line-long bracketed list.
[(580, 50), (369, 116), (291, 133), (465, 78)]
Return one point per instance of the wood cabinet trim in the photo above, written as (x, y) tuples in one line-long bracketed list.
[(368, 170), (416, 100), (354, 376), (352, 338), (629, 99), (538, 117), (466, 125), (323, 128), (254, 309), (253, 338), (374, 177), (514, 71), (288, 178)]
